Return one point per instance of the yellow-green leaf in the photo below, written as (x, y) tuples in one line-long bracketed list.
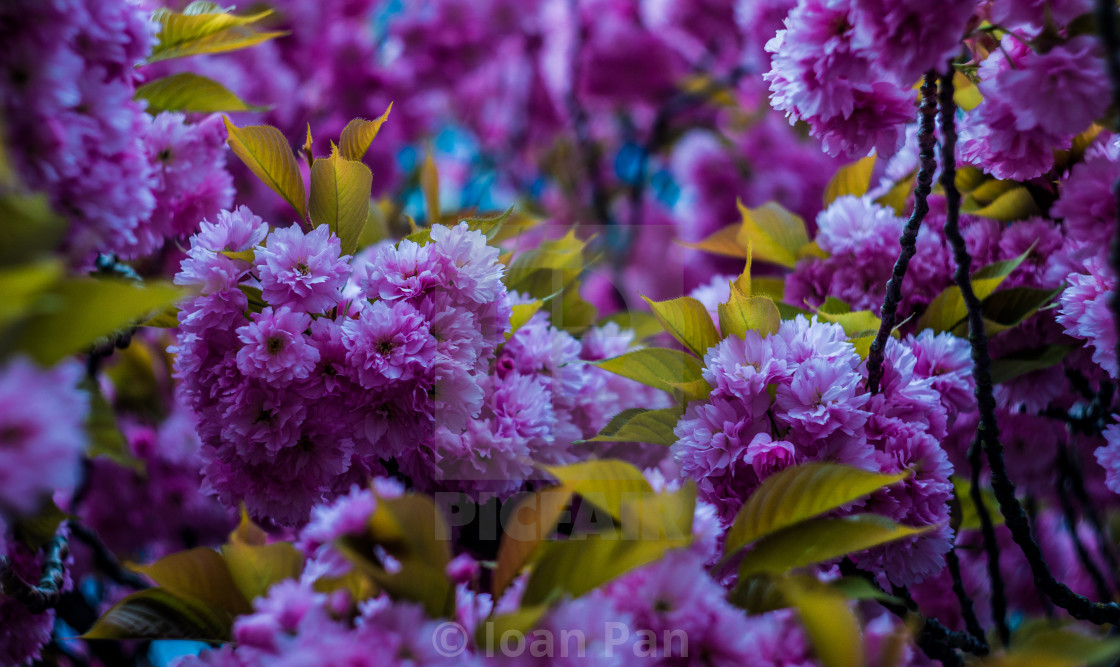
[(969, 518), (966, 94), (79, 311), (522, 313), (853, 323), (1015, 204), (199, 32), (578, 565), (605, 483), (190, 92), (820, 540), (340, 192), (22, 286), (948, 310), (255, 568), (547, 269), (643, 324), (532, 520), (489, 633), (1007, 308), (105, 437), (724, 242), (744, 313), (157, 613), (1041, 644), (660, 516), (769, 286), (657, 367), (828, 620), (774, 234), (799, 493), (899, 193), (266, 153), (688, 321), (359, 134), (639, 425), (853, 179), (200, 573)]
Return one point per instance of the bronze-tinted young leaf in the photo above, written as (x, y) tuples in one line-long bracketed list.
[(359, 134), (774, 234), (192, 93), (266, 153), (340, 192), (639, 425), (654, 366), (820, 540), (200, 573), (799, 493), (205, 30), (853, 179), (688, 321), (606, 483), (105, 437), (157, 613), (532, 521), (744, 313), (82, 310), (256, 568)]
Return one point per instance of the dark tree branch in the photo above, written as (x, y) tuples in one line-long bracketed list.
[(44, 595), (991, 546), (1069, 513), (909, 240), (104, 559), (988, 432), (968, 609)]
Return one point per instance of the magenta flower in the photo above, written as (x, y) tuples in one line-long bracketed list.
[(388, 343), (302, 271), (276, 349)]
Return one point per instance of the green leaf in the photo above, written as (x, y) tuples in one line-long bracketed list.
[(853, 179), (819, 540), (744, 313), (340, 192), (532, 520), (639, 425), (168, 318), (490, 227), (105, 437), (1014, 204), (578, 565), (688, 321), (200, 574), (605, 483), (657, 367), (256, 568), (1007, 308), (774, 234), (31, 227), (79, 311), (969, 518), (947, 310), (764, 593), (359, 134), (828, 620), (660, 516), (22, 286), (899, 194), (547, 269), (522, 313), (36, 530), (205, 30), (157, 613), (190, 92), (966, 94), (1014, 365), (643, 324), (266, 153), (725, 242), (1041, 644), (799, 493)]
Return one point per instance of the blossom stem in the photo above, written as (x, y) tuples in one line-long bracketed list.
[(1069, 512), (1015, 516), (45, 594), (909, 239)]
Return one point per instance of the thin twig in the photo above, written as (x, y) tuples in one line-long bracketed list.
[(909, 240), (104, 559), (44, 595), (991, 546), (968, 609)]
